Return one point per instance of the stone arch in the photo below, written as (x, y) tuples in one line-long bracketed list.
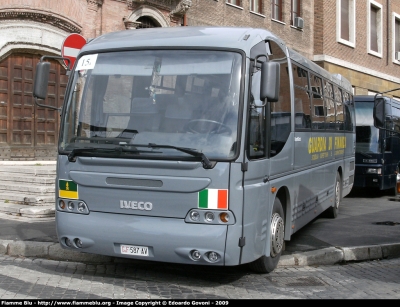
[(30, 36), (149, 12)]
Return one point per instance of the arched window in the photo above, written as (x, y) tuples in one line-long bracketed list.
[(147, 22)]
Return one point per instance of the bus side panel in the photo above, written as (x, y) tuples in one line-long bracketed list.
[(342, 146), (311, 160), (304, 195), (318, 202), (320, 149)]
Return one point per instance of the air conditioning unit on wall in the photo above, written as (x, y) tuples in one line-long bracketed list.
[(298, 22), (397, 56)]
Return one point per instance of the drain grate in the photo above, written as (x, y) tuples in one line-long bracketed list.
[(298, 281), (389, 223)]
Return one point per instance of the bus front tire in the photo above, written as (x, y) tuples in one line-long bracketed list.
[(266, 264), (332, 212)]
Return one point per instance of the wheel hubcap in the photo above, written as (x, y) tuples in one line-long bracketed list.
[(277, 233), (337, 199)]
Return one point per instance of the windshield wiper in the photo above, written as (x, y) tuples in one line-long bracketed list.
[(207, 164), (75, 151), (117, 149)]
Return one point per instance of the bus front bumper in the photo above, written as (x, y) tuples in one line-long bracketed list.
[(156, 239), (368, 181)]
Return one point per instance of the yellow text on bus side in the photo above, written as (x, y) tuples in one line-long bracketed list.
[(318, 146)]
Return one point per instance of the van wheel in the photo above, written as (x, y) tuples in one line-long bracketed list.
[(266, 264), (332, 212)]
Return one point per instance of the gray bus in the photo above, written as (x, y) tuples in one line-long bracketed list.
[(198, 145)]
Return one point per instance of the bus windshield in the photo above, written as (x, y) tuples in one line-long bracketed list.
[(367, 140), (185, 101)]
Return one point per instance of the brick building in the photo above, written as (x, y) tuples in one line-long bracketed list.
[(359, 39), (360, 42)]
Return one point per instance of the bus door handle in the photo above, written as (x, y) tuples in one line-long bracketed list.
[(265, 179)]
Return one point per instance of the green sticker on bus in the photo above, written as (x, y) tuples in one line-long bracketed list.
[(67, 189)]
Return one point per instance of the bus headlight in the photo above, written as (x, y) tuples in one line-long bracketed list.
[(72, 206), (209, 216), (194, 215), (377, 171), (82, 207), (213, 217)]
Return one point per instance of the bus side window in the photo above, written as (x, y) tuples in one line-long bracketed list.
[(302, 98), (339, 108), (330, 119), (256, 132), (348, 116), (283, 105), (256, 128), (318, 109), (396, 119)]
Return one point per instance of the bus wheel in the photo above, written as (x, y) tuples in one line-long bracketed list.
[(333, 211), (266, 264)]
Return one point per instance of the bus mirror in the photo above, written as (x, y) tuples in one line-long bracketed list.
[(41, 80), (270, 78), (379, 113)]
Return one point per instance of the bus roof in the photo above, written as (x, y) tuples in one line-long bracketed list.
[(218, 37), (370, 98)]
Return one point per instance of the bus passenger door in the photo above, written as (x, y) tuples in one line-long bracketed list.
[(255, 188)]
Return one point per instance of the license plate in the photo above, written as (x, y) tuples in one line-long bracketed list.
[(135, 250)]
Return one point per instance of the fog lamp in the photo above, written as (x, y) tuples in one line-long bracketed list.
[(78, 242), (68, 242), (212, 256), (196, 255)]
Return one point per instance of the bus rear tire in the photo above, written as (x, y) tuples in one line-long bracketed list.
[(332, 212), (266, 264)]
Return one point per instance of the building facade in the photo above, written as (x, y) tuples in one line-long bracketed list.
[(359, 39)]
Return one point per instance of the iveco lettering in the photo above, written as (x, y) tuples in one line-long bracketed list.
[(139, 205)]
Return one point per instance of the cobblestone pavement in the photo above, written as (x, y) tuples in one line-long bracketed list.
[(25, 278)]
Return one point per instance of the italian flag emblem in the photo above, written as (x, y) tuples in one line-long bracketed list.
[(67, 189), (213, 199)]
